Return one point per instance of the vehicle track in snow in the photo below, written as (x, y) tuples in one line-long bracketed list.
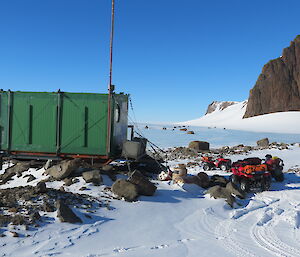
[(233, 235), (267, 239), (264, 235), (225, 232)]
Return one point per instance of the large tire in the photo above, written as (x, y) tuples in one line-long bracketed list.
[(235, 179), (279, 177), (244, 185), (223, 167), (267, 184), (206, 167)]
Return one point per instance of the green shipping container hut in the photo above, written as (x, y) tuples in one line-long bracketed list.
[(43, 124)]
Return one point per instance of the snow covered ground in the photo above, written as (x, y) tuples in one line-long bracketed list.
[(215, 136), (176, 221), (232, 118)]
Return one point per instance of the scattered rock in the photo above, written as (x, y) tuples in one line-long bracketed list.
[(31, 178), (263, 142), (68, 181), (92, 177), (145, 187), (34, 216), (203, 179), (126, 189), (17, 169), (190, 132), (65, 214), (40, 188), (63, 169), (221, 192), (47, 207)]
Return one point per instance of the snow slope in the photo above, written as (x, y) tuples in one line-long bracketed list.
[(177, 221), (231, 118)]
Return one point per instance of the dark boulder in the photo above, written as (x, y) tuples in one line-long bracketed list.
[(145, 187), (126, 189), (65, 214), (63, 169), (40, 188), (221, 192), (92, 177), (263, 142)]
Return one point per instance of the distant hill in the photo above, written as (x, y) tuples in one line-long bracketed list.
[(231, 117), (278, 86)]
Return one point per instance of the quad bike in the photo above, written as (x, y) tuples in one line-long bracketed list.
[(252, 178), (275, 166), (209, 163), (247, 161)]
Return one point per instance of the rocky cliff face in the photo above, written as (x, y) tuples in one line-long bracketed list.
[(216, 105), (278, 86)]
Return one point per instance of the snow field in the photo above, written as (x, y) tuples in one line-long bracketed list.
[(176, 221)]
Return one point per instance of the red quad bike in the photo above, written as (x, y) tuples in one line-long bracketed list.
[(251, 177), (275, 166), (209, 163)]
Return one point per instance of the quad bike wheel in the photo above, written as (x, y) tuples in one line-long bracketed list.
[(267, 184), (206, 167), (223, 167), (244, 185), (279, 177)]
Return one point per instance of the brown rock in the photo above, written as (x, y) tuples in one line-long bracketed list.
[(92, 177), (190, 132), (65, 214), (40, 188), (277, 88), (63, 169), (125, 189), (263, 142), (145, 187), (221, 192)]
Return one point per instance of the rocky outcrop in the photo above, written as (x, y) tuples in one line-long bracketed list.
[(216, 105), (277, 88)]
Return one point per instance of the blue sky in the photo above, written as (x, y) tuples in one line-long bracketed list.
[(173, 57)]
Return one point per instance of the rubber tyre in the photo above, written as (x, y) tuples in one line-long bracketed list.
[(206, 167), (279, 177), (267, 184), (235, 179), (244, 186), (223, 167)]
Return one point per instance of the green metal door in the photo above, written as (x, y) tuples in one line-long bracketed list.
[(84, 124), (33, 122)]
